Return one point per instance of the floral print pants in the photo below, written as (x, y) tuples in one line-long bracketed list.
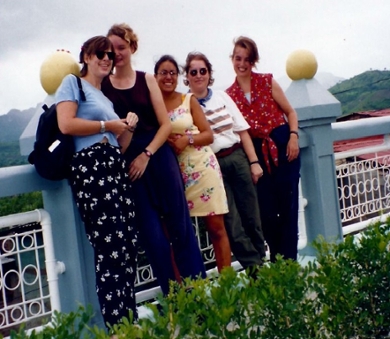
[(103, 194)]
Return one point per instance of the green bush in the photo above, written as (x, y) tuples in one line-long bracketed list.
[(21, 203), (344, 293), (352, 283)]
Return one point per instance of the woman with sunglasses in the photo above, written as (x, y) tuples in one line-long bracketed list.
[(99, 180), (191, 135), (237, 159), (265, 107), (162, 213)]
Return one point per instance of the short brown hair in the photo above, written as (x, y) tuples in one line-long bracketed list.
[(198, 56), (90, 47), (125, 32), (249, 45)]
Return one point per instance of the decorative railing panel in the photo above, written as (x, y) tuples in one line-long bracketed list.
[(144, 271), (24, 292), (363, 184)]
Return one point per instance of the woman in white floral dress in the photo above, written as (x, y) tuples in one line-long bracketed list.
[(191, 135)]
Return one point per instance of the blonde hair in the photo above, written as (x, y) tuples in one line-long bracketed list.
[(125, 32)]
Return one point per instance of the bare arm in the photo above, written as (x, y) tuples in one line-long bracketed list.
[(205, 137), (292, 118), (250, 152), (70, 124), (138, 165), (161, 114)]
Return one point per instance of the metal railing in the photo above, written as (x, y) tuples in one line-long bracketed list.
[(146, 284), (363, 180), (28, 270)]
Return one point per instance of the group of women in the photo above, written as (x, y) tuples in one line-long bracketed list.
[(230, 157)]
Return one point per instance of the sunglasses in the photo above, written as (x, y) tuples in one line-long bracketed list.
[(164, 73), (202, 71), (100, 55)]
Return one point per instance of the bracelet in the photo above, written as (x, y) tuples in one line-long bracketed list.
[(148, 153), (295, 132), (254, 162), (102, 127), (131, 129)]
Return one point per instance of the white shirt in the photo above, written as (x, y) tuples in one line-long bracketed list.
[(225, 120)]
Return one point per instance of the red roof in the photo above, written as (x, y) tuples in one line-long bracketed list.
[(365, 114), (347, 145)]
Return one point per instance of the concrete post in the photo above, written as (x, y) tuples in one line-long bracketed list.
[(317, 109)]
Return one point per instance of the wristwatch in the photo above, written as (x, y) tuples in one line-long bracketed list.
[(148, 153)]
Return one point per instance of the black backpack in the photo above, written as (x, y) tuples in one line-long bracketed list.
[(53, 151)]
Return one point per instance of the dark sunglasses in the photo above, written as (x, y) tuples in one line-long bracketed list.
[(100, 55), (202, 71)]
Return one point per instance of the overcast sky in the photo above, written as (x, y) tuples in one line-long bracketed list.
[(348, 37)]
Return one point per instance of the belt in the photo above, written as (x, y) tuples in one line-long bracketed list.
[(227, 151)]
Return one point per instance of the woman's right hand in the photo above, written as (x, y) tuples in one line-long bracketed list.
[(117, 126), (138, 166), (132, 120), (256, 172), (178, 142)]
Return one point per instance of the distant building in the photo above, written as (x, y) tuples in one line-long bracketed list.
[(347, 145)]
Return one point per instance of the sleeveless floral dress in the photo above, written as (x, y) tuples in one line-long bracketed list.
[(202, 176)]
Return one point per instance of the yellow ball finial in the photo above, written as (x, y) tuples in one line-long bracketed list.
[(301, 64), (55, 68)]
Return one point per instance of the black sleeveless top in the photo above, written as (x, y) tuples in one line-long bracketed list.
[(135, 99)]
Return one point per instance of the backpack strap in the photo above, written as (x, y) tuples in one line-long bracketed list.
[(82, 94)]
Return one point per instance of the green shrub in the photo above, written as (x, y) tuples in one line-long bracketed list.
[(353, 284), (344, 293), (63, 326)]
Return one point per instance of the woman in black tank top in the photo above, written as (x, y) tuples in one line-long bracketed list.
[(162, 214)]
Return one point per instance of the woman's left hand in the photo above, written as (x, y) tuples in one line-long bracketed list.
[(256, 172), (292, 148)]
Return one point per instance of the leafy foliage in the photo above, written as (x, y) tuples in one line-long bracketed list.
[(353, 284), (10, 155), (21, 203), (344, 293), (367, 91), (63, 326)]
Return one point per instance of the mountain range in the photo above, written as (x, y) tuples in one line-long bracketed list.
[(364, 92), (367, 91), (13, 124)]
